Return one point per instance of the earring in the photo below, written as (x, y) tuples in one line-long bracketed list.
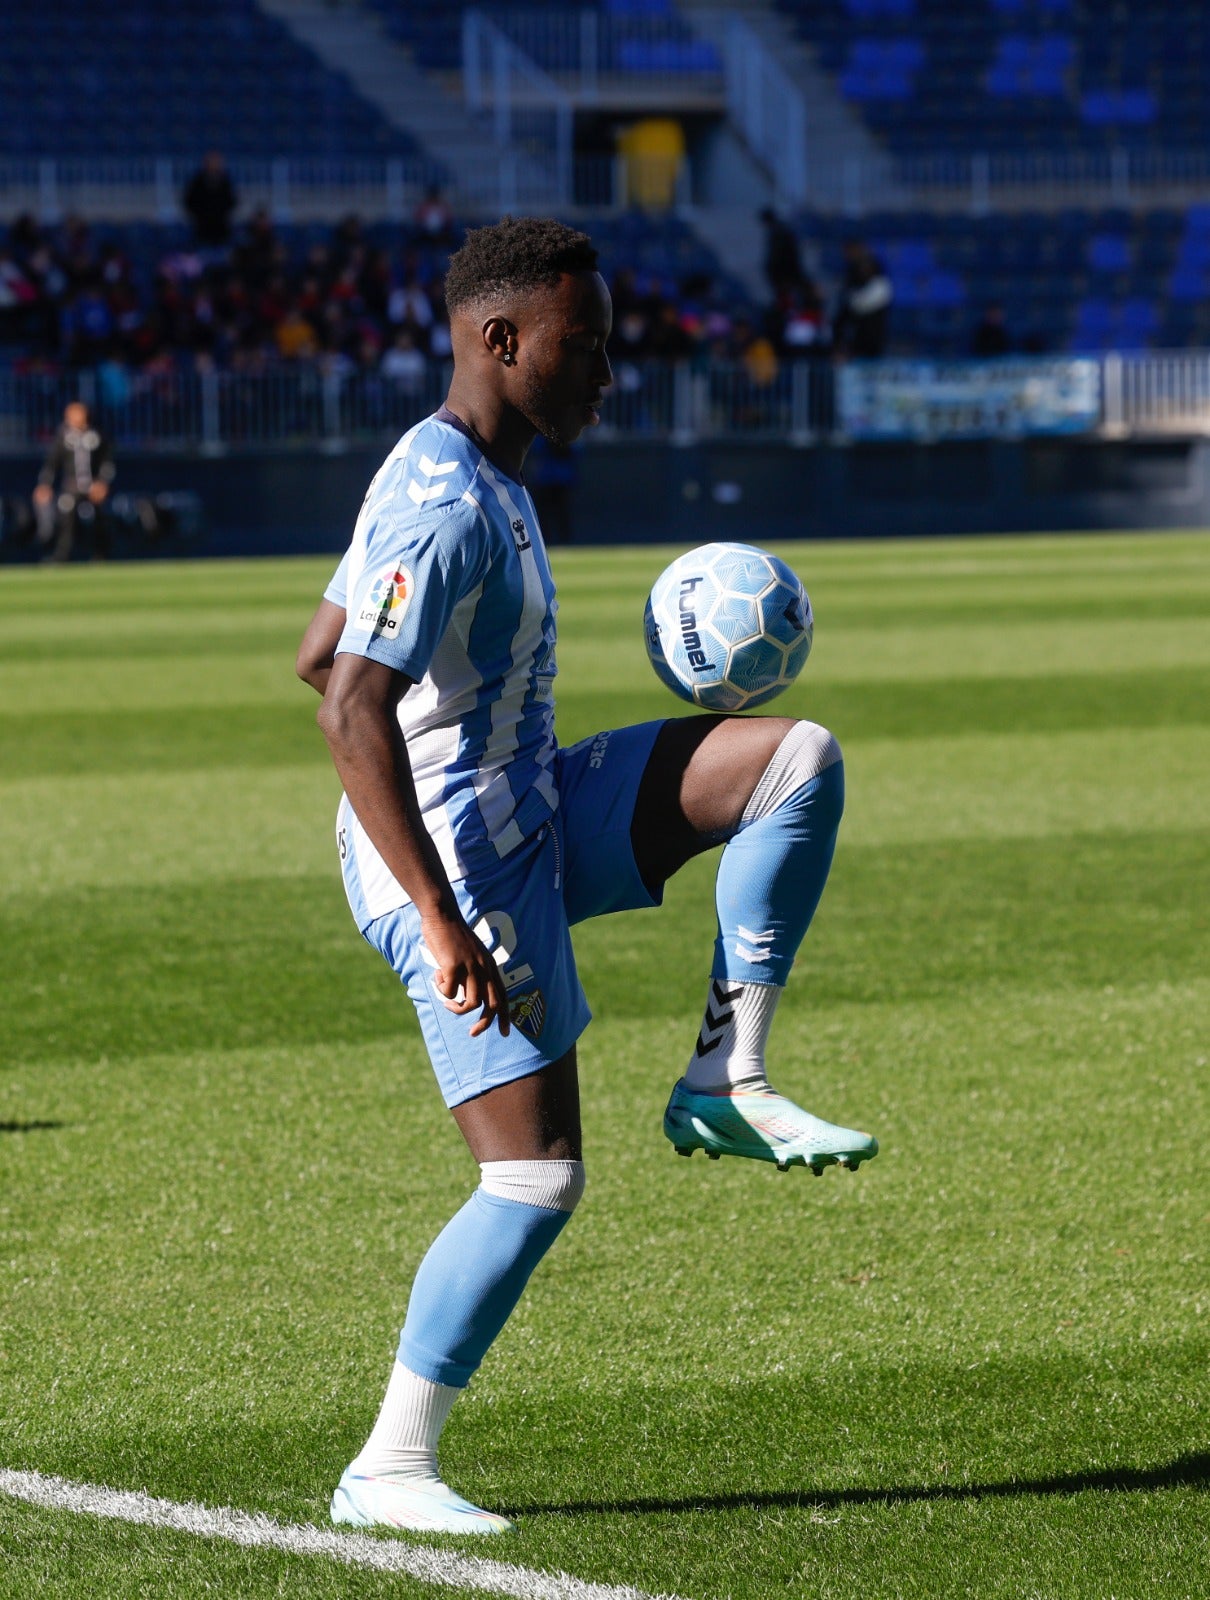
[(507, 358)]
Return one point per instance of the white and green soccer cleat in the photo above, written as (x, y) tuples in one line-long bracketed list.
[(764, 1126), (421, 1505)]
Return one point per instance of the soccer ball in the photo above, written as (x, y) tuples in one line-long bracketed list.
[(728, 626)]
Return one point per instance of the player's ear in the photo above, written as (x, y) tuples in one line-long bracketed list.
[(500, 339)]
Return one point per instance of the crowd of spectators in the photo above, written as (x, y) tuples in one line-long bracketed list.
[(69, 301), (251, 297)]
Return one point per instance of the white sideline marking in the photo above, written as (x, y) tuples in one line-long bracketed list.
[(304, 1539)]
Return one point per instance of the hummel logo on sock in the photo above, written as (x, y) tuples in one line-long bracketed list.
[(714, 1023)]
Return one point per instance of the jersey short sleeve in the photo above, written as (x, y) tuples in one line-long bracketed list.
[(413, 578), (338, 588)]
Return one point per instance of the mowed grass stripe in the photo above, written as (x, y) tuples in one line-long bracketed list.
[(72, 743), (185, 827), (136, 970), (161, 587), (213, 677), (611, 648), (35, 631), (858, 654), (187, 739)]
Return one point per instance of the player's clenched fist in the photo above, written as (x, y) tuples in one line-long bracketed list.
[(467, 977)]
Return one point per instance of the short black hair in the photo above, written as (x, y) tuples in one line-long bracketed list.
[(515, 253)]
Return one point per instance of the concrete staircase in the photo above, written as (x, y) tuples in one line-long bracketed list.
[(847, 168), (349, 39)]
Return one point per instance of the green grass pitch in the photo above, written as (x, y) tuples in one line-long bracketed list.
[(976, 1368)]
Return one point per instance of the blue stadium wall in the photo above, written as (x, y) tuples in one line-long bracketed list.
[(651, 492)]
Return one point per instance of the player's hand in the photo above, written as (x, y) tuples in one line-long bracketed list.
[(467, 977)]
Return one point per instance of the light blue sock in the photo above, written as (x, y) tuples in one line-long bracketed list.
[(772, 872), (469, 1282)]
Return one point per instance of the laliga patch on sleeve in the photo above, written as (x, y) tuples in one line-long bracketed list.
[(386, 602)]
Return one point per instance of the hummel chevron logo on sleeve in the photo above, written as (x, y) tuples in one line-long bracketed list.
[(714, 1023), (419, 493)]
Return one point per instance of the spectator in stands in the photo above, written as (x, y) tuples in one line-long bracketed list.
[(294, 334), (404, 364), (804, 329), (434, 218), (783, 265), (860, 328), (86, 327), (18, 299), (990, 337), (257, 255), (73, 486), (667, 337), (409, 306), (210, 201)]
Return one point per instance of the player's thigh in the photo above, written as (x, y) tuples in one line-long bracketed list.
[(517, 910), (534, 1118), (701, 774)]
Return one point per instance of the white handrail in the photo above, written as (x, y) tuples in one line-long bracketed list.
[(767, 107)]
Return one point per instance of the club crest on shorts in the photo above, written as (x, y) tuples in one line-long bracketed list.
[(528, 1012)]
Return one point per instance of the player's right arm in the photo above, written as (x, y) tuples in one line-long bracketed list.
[(359, 721)]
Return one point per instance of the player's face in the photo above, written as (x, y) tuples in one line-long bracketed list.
[(562, 360)]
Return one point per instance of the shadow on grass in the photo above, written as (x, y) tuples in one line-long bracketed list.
[(1187, 1471), (29, 1127)]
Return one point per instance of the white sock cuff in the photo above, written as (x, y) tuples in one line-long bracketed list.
[(805, 752), (557, 1185)]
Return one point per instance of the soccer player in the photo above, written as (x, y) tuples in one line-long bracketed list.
[(470, 844)]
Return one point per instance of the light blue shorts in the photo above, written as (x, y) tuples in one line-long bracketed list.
[(579, 865)]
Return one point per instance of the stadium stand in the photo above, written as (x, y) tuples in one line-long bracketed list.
[(1009, 75), (135, 79), (1017, 75)]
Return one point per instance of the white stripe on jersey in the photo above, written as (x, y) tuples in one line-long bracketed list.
[(523, 645), (479, 723)]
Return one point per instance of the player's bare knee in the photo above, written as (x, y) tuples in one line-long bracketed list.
[(553, 1185)]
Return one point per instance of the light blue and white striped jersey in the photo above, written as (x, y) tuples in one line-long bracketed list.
[(447, 580)]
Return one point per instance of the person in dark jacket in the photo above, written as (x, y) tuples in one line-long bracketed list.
[(80, 463), (860, 328), (210, 201)]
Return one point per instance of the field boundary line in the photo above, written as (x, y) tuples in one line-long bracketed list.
[(444, 1567)]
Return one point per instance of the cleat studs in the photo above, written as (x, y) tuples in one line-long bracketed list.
[(714, 1155), (681, 1150)]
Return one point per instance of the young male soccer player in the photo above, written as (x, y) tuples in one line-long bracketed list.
[(470, 843)]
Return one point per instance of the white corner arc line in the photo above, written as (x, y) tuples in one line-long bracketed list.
[(450, 1569)]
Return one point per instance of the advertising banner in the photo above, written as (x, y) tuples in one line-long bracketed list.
[(969, 399)]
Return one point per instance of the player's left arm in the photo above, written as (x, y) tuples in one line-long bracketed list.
[(317, 651)]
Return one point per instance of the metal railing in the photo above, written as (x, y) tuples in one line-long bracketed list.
[(149, 189), (531, 116), (982, 181), (1166, 392), (653, 56), (767, 107), (304, 407)]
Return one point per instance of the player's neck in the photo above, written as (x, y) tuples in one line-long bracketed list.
[(499, 430)]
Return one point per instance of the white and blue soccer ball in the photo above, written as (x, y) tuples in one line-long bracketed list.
[(728, 626)]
